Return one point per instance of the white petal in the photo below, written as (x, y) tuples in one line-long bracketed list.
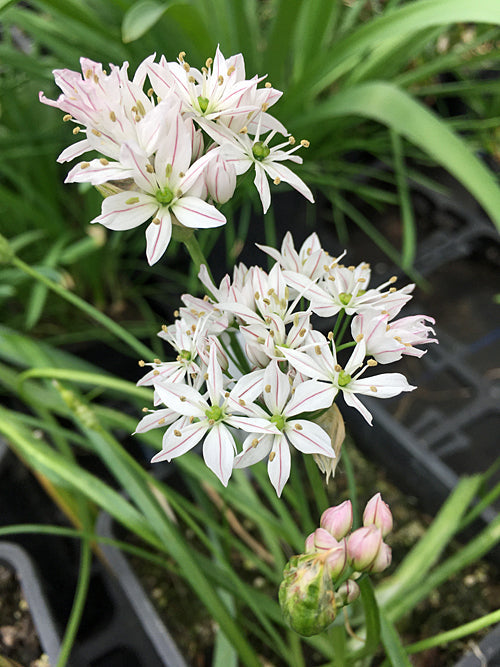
[(193, 212), (75, 150), (118, 215), (276, 388), (309, 438), (310, 396), (386, 385), (305, 364), (156, 419), (218, 452), (215, 383), (132, 157), (260, 182), (276, 170), (183, 399), (253, 424), (353, 401), (253, 454), (279, 468), (158, 236), (176, 445), (96, 173)]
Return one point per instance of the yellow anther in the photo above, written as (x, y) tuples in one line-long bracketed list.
[(205, 376), (156, 221), (337, 368), (242, 402), (186, 66), (277, 180), (291, 140), (255, 442), (177, 433), (266, 301), (149, 168), (141, 363), (182, 399), (76, 130), (145, 409), (191, 79), (373, 388), (88, 74), (330, 335), (392, 290), (85, 165), (208, 62), (244, 130), (220, 79), (256, 296), (261, 340), (164, 328), (132, 200), (230, 70), (67, 117), (268, 85), (298, 427), (157, 361), (302, 333), (161, 421), (140, 108), (155, 373), (181, 56), (317, 349), (305, 143), (372, 362), (176, 313), (112, 116), (96, 132), (150, 92), (103, 161), (272, 455), (267, 388), (96, 78), (265, 107), (359, 338), (393, 279)]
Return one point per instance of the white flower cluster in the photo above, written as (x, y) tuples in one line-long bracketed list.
[(169, 154), (248, 359)]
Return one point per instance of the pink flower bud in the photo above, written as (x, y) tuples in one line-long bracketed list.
[(378, 513), (323, 541), (310, 548), (336, 560), (363, 546), (383, 559), (337, 520), (347, 593), (220, 177)]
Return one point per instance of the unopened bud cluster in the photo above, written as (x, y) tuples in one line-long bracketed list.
[(322, 580)]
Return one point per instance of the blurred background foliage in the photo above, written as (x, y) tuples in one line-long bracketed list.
[(382, 89)]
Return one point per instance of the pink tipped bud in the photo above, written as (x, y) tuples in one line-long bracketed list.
[(220, 177), (336, 560), (347, 593), (383, 559), (337, 520), (378, 513), (310, 548), (363, 546), (323, 541)]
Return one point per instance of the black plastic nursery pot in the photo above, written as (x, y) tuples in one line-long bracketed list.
[(110, 633), (24, 648)]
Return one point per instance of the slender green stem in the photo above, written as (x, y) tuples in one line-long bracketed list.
[(196, 253), (338, 322), (116, 329), (78, 604), (342, 347), (342, 331), (351, 482), (456, 633)]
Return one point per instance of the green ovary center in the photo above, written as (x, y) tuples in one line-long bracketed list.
[(344, 298), (164, 196), (260, 150), (214, 413), (279, 420), (344, 379), (185, 354), (203, 103)]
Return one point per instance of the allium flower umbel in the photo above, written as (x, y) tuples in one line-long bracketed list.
[(153, 163), (253, 378)]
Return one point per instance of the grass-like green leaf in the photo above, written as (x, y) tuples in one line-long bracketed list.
[(140, 18), (395, 108)]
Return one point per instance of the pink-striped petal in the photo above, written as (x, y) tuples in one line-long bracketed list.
[(158, 235), (260, 182), (117, 214), (310, 396), (183, 399), (309, 438), (193, 212), (278, 466), (97, 172), (175, 445), (218, 452)]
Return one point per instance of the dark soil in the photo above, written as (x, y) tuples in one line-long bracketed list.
[(18, 639)]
